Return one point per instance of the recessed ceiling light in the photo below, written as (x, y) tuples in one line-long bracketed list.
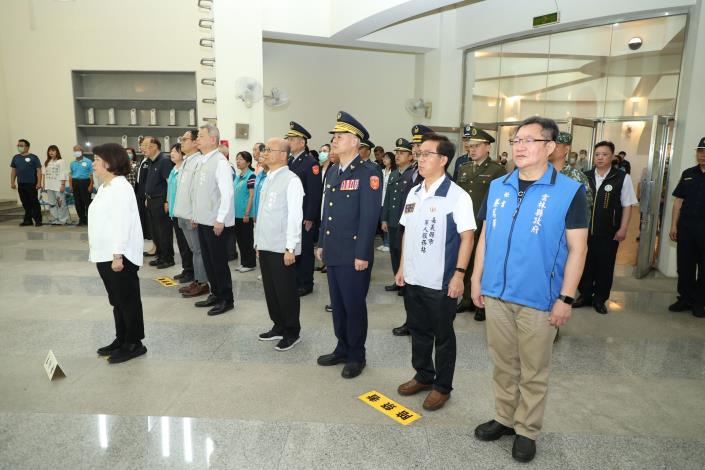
[(616, 24)]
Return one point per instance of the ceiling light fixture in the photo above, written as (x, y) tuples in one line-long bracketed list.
[(635, 43)]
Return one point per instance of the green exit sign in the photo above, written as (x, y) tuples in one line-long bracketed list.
[(543, 20)]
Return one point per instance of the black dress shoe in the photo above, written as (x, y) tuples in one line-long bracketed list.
[(329, 308), (392, 288), (582, 302), (25, 224), (126, 352), (179, 276), (220, 308), (106, 350), (480, 314), (154, 262), (38, 224), (492, 430), (186, 279), (352, 369), (209, 302), (400, 292), (165, 264), (464, 307), (330, 360), (302, 291), (600, 307), (524, 449), (680, 305), (401, 330), (699, 312)]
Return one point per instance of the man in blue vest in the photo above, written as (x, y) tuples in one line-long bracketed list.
[(353, 201), (528, 263)]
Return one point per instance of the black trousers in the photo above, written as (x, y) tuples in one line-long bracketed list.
[(30, 202), (245, 238), (348, 297), (82, 199), (162, 229), (280, 293), (124, 295), (394, 247), (144, 218), (184, 250), (598, 274), (430, 319), (690, 259), (214, 250), (305, 262)]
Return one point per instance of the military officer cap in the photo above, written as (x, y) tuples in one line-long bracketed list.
[(564, 138), (418, 131), (475, 133), (701, 144), (297, 130), (345, 123), (367, 143), (403, 145)]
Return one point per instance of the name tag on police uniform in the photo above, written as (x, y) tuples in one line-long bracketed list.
[(409, 208), (349, 185)]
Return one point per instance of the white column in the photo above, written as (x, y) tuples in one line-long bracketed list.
[(690, 125), (238, 51)]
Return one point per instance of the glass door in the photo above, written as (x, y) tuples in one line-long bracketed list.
[(584, 139)]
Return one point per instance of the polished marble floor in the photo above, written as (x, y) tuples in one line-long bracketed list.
[(627, 389)]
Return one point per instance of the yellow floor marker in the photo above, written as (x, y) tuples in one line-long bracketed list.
[(166, 281), (394, 410)]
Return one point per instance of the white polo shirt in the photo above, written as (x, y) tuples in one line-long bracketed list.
[(433, 221)]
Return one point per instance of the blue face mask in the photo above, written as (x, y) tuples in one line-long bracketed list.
[(322, 157)]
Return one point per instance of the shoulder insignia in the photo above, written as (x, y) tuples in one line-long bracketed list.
[(316, 169), (374, 182)]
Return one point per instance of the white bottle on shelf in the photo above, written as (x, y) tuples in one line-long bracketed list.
[(90, 116), (111, 116), (172, 117), (153, 117), (167, 142), (123, 141), (133, 116), (191, 117)]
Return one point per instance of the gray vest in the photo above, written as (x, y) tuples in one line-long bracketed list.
[(183, 206), (273, 213), (205, 195)]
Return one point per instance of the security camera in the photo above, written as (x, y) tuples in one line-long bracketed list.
[(635, 43)]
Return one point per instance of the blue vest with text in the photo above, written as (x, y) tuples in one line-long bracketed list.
[(525, 242)]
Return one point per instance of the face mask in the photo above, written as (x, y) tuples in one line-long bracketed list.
[(77, 154), (130, 156), (20, 149), (322, 157)]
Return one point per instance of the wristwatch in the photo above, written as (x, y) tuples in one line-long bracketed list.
[(460, 270), (566, 299)]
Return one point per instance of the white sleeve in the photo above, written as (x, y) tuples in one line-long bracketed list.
[(295, 211), (463, 214), (628, 196), (120, 215), (224, 180)]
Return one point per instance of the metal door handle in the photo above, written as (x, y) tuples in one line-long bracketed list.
[(206, 42), (205, 4), (208, 61), (205, 23), (208, 100), (208, 81)]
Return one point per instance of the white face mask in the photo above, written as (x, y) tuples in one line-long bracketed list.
[(77, 154)]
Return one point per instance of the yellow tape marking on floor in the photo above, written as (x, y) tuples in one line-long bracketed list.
[(166, 281), (394, 410)]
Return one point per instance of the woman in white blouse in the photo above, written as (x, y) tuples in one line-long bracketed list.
[(54, 183), (115, 241)]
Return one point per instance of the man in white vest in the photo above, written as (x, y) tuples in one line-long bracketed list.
[(278, 242), (213, 211)]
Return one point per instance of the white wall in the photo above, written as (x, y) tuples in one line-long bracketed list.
[(42, 41), (320, 81)]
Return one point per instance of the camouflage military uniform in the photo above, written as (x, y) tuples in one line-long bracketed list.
[(580, 177)]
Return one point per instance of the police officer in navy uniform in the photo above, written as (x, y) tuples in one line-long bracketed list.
[(398, 185), (688, 231), (308, 170), (475, 176), (366, 147), (353, 200)]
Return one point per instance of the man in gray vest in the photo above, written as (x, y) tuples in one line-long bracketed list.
[(213, 211), (183, 211), (280, 217)]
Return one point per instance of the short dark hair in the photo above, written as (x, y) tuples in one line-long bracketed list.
[(115, 158), (178, 149), (380, 148), (153, 140), (193, 133), (260, 146), (24, 141), (445, 147), (623, 153), (247, 156), (326, 145), (549, 128), (605, 143), (314, 153)]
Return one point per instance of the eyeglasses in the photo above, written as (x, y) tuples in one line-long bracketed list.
[(426, 154), (268, 150), (527, 140), (186, 138)]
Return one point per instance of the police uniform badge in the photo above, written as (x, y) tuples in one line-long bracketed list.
[(374, 182), (474, 131), (608, 188), (316, 169), (400, 141)]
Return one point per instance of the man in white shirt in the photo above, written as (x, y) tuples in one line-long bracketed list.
[(438, 225), (280, 217), (213, 211), (614, 196)]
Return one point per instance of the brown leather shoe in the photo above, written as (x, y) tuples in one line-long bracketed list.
[(435, 400), (183, 290), (412, 387), (198, 290)]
